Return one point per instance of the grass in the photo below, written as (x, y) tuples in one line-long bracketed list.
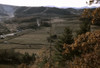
[(37, 39), (30, 51), (7, 66), (30, 39)]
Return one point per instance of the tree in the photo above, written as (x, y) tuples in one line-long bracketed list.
[(84, 27), (92, 15), (66, 38), (93, 2), (96, 16), (86, 18), (86, 49), (27, 59), (87, 15)]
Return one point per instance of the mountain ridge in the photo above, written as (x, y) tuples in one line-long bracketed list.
[(11, 11), (7, 9)]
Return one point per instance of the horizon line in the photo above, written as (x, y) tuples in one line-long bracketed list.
[(65, 7)]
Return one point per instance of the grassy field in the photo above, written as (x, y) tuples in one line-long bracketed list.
[(35, 41), (32, 41)]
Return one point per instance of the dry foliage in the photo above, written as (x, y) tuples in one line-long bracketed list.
[(92, 15), (85, 50), (23, 66)]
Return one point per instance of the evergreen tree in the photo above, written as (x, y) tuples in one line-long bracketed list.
[(85, 26), (66, 38)]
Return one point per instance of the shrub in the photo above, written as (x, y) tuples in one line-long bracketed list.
[(85, 50), (11, 57), (46, 24), (52, 38), (27, 59)]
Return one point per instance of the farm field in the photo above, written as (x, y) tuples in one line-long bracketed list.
[(35, 41), (32, 41)]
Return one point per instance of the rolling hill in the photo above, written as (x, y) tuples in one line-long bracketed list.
[(7, 10), (11, 11), (50, 11)]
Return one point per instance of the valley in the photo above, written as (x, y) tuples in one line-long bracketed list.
[(32, 30), (32, 39)]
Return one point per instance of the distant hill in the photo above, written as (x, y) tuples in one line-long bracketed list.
[(27, 11), (7, 10), (75, 11), (11, 11)]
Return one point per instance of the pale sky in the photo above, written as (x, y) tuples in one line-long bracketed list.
[(55, 3)]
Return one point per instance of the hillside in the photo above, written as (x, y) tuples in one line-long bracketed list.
[(51, 11), (3, 29), (11, 11), (7, 10)]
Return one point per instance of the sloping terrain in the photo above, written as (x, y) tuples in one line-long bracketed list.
[(26, 11), (2, 11), (7, 10), (51, 11), (3, 29)]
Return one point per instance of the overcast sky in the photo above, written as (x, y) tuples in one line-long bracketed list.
[(55, 3)]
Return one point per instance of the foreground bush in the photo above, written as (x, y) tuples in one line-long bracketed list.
[(92, 15), (11, 57), (85, 50)]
